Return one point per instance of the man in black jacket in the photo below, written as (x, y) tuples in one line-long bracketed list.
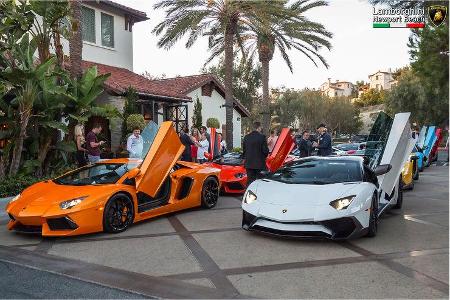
[(324, 145), (255, 151), (305, 145), (187, 141)]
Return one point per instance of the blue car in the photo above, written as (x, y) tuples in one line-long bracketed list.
[(420, 158), (430, 139)]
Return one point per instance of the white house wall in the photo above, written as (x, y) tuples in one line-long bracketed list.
[(212, 107), (119, 56)]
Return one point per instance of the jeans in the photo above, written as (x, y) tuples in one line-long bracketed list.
[(93, 159)]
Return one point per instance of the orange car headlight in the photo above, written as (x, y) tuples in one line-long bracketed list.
[(71, 203)]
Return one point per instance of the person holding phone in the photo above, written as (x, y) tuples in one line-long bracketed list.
[(93, 145)]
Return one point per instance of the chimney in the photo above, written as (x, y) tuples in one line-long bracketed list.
[(329, 80)]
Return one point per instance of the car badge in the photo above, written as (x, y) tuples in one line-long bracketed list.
[(284, 211), (437, 14)]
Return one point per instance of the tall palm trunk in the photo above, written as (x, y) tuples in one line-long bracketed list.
[(265, 95), (229, 36), (266, 48), (25, 113), (75, 41)]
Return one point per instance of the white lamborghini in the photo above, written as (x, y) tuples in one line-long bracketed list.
[(333, 197)]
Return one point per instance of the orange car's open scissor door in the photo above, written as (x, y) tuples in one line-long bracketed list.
[(280, 151), (160, 159)]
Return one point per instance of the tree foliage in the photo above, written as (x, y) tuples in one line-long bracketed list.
[(213, 123), (197, 114), (371, 97), (305, 109)]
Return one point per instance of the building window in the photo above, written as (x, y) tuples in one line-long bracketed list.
[(376, 77), (107, 30), (88, 24)]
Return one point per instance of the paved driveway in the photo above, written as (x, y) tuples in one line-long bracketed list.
[(205, 254)]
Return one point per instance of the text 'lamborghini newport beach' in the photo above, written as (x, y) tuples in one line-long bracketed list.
[(333, 197), (113, 194)]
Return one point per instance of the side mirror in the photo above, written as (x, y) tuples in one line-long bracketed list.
[(382, 169), (133, 173)]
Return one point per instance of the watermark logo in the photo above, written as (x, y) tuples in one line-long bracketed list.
[(437, 14), (398, 17)]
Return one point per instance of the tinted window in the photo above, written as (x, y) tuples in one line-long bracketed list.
[(96, 174), (312, 171), (231, 159), (377, 139)]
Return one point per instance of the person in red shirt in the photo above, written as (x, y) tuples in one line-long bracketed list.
[(194, 148), (93, 145)]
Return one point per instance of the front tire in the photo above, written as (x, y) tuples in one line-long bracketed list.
[(210, 192), (373, 218), (399, 203), (118, 214)]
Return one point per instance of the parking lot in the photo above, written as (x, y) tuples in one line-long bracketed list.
[(206, 254)]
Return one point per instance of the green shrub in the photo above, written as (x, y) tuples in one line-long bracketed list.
[(12, 186), (135, 120), (236, 149), (213, 123)]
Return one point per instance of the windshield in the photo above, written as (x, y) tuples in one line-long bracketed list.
[(312, 171), (96, 174), (346, 147), (230, 159)]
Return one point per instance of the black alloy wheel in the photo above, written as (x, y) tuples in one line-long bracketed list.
[(416, 170), (373, 218), (210, 192), (118, 213)]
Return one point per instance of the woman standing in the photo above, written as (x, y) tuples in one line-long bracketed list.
[(271, 141), (194, 148), (80, 142)]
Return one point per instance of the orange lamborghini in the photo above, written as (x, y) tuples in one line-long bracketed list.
[(113, 194)]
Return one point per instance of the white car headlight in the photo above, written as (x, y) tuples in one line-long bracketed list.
[(71, 203), (249, 197), (342, 203), (14, 199)]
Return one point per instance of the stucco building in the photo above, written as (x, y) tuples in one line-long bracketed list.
[(108, 43), (336, 89), (381, 80)]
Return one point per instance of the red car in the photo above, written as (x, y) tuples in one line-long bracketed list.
[(233, 176), (434, 150)]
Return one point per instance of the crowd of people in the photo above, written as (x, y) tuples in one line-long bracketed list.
[(197, 142), (256, 147)]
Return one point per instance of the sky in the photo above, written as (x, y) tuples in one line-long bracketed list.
[(357, 49)]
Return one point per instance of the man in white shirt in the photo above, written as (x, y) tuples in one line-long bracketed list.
[(203, 146), (135, 144)]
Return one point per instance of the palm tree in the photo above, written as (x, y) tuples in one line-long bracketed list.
[(75, 40), (287, 30), (218, 20)]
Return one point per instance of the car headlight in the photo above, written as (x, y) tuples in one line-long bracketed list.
[(14, 199), (342, 203), (71, 203), (239, 175), (249, 197)]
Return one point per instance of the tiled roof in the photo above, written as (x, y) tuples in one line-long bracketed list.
[(139, 15), (175, 89)]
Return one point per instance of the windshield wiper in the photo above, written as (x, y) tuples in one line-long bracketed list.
[(320, 182)]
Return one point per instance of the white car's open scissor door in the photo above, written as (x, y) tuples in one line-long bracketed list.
[(390, 142)]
